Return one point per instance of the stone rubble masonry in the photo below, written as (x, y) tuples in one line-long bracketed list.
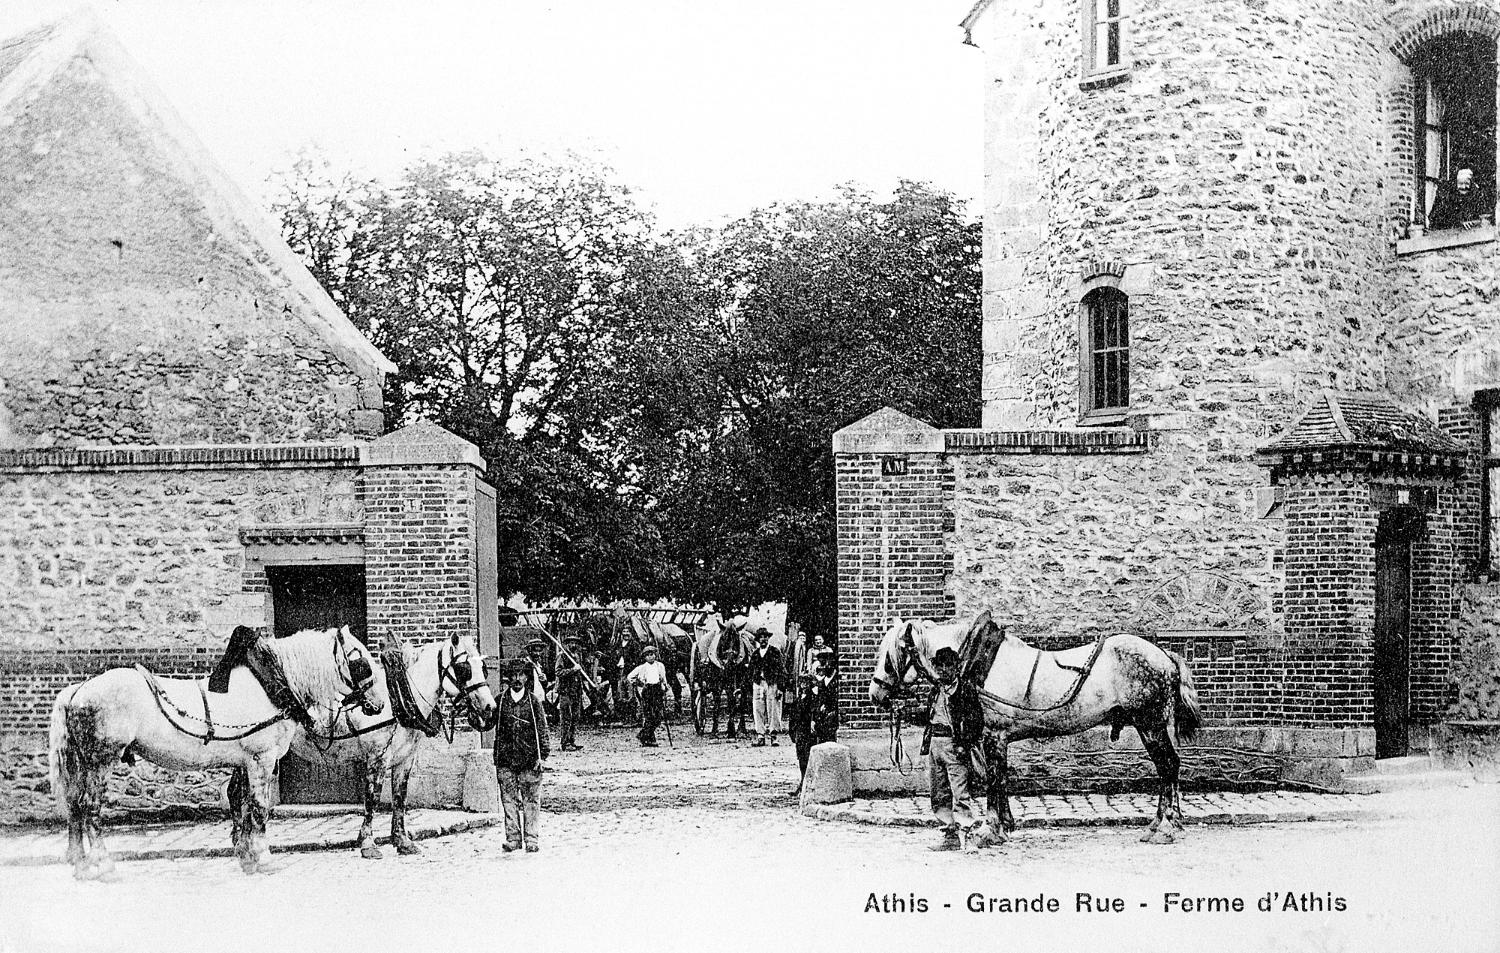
[(1248, 183), (143, 302), (1249, 178), (1064, 534), (115, 556)]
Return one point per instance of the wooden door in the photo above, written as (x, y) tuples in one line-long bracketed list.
[(318, 597), (1392, 635)]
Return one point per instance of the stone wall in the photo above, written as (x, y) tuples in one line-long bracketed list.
[(108, 558), (123, 558), (1066, 545), (1475, 675), (142, 790), (1237, 172), (142, 304)]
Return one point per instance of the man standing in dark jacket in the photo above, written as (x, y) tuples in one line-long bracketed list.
[(569, 675), (815, 716), (521, 750), (765, 680), (955, 725)]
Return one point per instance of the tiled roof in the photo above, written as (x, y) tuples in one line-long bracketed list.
[(1362, 421)]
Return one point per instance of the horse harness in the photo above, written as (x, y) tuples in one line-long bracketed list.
[(359, 680), (896, 684), (1072, 694), (405, 710)]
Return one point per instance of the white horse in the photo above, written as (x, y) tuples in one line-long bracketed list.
[(1027, 693), (451, 668), (178, 723)]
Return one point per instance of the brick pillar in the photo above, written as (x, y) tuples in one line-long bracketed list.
[(1330, 599), (894, 486), (1443, 560), (421, 491)]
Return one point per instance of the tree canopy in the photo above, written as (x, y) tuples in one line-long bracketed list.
[(657, 410)]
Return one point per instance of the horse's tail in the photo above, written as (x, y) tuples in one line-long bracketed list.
[(1189, 718), (63, 751)]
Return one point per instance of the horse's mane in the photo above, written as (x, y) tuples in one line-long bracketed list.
[(313, 669)]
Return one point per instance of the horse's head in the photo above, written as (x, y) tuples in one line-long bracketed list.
[(461, 675), (895, 663), (365, 689)]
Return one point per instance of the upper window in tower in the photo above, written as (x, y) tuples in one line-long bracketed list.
[(1103, 39), (1105, 358), (1453, 79)]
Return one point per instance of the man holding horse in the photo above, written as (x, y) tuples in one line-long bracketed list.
[(521, 750), (955, 727)]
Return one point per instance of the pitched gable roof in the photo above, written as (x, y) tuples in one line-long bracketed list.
[(1362, 421), (31, 62)]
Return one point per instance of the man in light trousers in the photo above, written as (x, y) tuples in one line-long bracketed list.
[(954, 728), (766, 674)]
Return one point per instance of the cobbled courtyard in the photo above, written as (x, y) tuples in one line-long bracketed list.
[(700, 845)]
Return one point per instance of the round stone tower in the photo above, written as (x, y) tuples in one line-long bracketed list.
[(1240, 179)]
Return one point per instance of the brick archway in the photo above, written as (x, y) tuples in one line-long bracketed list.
[(1457, 18)]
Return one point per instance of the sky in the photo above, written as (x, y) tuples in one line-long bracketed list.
[(706, 108)]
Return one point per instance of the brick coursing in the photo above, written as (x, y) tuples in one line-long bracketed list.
[(891, 561), (421, 564)]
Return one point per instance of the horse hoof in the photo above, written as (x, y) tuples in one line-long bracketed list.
[(85, 872), (1160, 836), (407, 848), (987, 838), (370, 853)]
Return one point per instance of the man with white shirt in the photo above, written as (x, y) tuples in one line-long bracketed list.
[(650, 680)]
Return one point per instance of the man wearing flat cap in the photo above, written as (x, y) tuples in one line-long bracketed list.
[(521, 750), (955, 728), (569, 675), (650, 680), (536, 653), (815, 718)]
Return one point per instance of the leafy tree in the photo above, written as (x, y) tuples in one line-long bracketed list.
[(806, 318), (501, 291), (658, 414)]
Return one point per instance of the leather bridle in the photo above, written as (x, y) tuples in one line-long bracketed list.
[(358, 674), (895, 685), (459, 671)]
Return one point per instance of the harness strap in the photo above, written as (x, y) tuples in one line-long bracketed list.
[(208, 717), (159, 695), (1031, 678), (1083, 674)]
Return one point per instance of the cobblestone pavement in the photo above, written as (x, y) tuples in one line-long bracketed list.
[(1105, 810)]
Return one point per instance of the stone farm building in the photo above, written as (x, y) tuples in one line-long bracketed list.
[(189, 427), (1241, 359)]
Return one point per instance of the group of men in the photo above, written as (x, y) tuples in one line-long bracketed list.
[(804, 686), (522, 746)]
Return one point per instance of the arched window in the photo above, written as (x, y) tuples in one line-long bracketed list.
[(1105, 358), (1453, 79)]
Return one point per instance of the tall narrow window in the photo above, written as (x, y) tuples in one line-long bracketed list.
[(1103, 38), (1106, 352), (1489, 407), (1453, 81)]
